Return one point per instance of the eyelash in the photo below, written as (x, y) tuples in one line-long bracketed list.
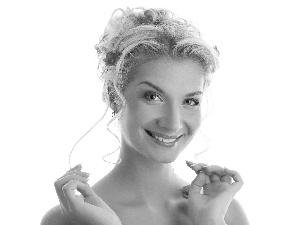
[(149, 93)]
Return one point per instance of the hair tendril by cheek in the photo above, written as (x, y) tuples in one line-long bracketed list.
[(196, 155), (119, 159), (85, 135), (209, 105)]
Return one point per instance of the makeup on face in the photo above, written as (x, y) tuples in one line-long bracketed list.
[(162, 139), (163, 108)]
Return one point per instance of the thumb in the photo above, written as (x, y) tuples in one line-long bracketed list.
[(86, 190), (197, 183)]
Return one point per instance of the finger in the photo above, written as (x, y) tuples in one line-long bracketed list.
[(77, 167), (73, 201), (75, 172), (197, 167), (61, 182), (214, 178), (198, 183), (227, 179), (91, 197), (234, 174), (236, 186), (207, 180), (213, 169), (88, 196)]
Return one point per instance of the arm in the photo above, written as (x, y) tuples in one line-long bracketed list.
[(85, 209), (54, 217), (236, 214)]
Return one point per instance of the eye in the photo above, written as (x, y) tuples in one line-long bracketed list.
[(192, 101), (151, 96)]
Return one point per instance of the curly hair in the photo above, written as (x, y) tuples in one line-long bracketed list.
[(139, 35)]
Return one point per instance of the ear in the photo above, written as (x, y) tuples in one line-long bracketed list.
[(116, 104), (112, 98), (115, 107)]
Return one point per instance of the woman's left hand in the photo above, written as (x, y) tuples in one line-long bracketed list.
[(218, 192)]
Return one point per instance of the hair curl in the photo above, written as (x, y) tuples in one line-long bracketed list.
[(139, 35)]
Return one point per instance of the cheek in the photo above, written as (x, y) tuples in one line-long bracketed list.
[(133, 116), (140, 111), (194, 121)]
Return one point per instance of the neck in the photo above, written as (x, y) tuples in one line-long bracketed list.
[(141, 178)]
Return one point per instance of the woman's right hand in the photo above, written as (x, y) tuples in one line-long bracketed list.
[(87, 208)]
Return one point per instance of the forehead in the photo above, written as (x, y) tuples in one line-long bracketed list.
[(185, 74)]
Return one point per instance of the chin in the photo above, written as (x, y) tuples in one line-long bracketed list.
[(164, 158)]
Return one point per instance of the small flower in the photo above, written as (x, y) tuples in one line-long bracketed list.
[(148, 17), (157, 22), (172, 42), (97, 48), (112, 58), (217, 50), (185, 191)]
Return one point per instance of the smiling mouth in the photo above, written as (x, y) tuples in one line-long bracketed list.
[(167, 141)]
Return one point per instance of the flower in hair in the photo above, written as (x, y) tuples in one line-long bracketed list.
[(172, 42), (148, 17), (145, 19), (112, 58), (98, 49), (217, 50), (157, 22), (185, 191)]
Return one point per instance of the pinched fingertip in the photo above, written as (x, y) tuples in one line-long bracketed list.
[(197, 167), (198, 182), (230, 172), (85, 174), (77, 167), (235, 175), (226, 179), (214, 169), (189, 163)]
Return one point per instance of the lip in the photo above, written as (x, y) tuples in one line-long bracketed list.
[(168, 145), (164, 135)]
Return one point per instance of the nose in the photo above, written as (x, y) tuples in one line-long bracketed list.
[(171, 119)]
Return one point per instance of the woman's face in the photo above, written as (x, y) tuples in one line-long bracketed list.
[(162, 112)]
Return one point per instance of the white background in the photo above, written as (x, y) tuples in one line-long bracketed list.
[(51, 95)]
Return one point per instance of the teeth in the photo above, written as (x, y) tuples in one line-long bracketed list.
[(164, 140), (161, 139)]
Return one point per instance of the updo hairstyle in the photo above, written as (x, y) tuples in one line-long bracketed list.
[(138, 35)]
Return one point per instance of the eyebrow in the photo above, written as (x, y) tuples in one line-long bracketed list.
[(160, 90)]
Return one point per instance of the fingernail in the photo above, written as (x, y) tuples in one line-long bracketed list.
[(189, 163), (86, 180), (77, 166), (86, 174)]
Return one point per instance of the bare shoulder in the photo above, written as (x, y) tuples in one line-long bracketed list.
[(55, 217), (236, 214)]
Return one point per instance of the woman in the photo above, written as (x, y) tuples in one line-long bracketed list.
[(155, 69)]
